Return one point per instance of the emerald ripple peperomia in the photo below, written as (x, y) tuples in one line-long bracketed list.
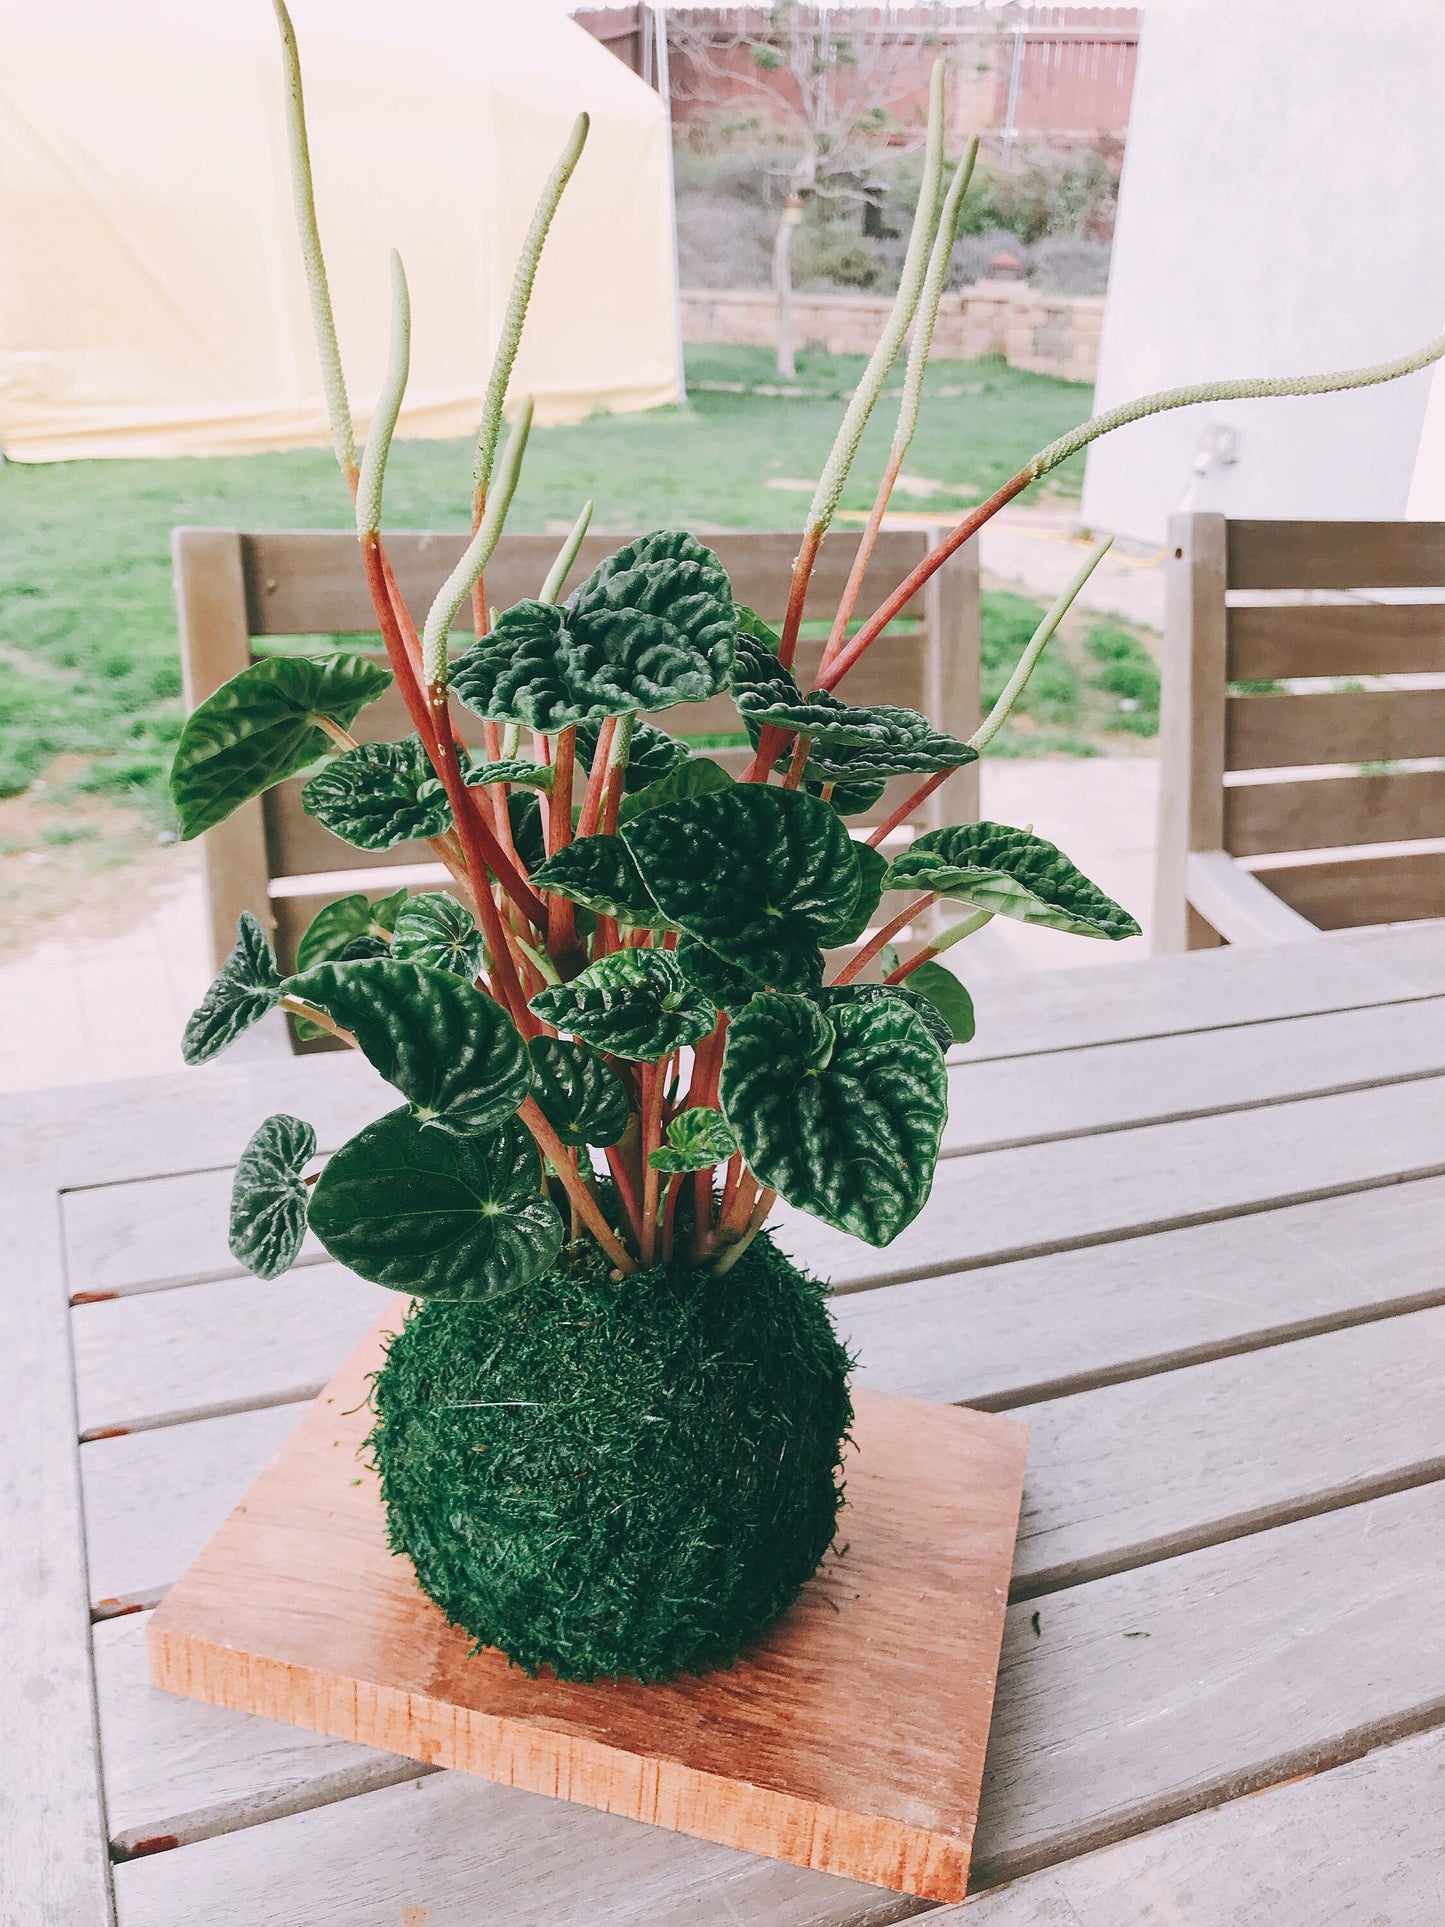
[(650, 988)]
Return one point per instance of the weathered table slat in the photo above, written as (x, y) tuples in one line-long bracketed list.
[(1038, 1327), (1227, 1325), (1362, 1846), (155, 1357), (179, 1771), (1050, 1197), (152, 1499)]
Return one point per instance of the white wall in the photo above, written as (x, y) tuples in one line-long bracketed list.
[(1282, 211)]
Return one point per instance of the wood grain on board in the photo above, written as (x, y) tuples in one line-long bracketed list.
[(297, 1610)]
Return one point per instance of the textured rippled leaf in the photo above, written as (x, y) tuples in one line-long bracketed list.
[(635, 1003), (438, 1214), (872, 868), (248, 986), (582, 1098), (337, 929), (948, 997), (435, 929), (763, 876), (728, 987), (839, 1112), (930, 1018), (532, 776), (453, 1052), (1012, 873), (524, 813), (378, 795), (696, 1141), (599, 872), (698, 776), (653, 753), (269, 1197), (652, 626), (261, 727)]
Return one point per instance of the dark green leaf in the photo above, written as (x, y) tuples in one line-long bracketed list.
[(696, 1141), (698, 776), (763, 876), (839, 1112), (848, 799), (652, 755), (926, 1013), (872, 868), (249, 985), (583, 1100), (261, 727), (635, 1003), (728, 988), (268, 1196), (532, 776), (652, 626), (1013, 874), (894, 742), (378, 795), (524, 813), (334, 930), (947, 996), (448, 1048), (435, 929), (437, 1214), (598, 871)]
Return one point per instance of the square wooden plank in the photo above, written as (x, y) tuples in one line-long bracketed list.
[(851, 1739)]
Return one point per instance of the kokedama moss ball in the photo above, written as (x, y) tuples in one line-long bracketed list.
[(627, 1479)]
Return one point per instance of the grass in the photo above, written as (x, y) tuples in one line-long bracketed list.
[(89, 665)]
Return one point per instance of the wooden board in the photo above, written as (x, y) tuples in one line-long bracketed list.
[(1332, 812), (1277, 640), (1353, 726), (1336, 555), (296, 1610)]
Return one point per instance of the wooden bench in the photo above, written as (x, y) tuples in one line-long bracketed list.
[(1286, 809), (235, 589)]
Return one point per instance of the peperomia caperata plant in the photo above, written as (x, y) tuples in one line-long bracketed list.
[(621, 1027)]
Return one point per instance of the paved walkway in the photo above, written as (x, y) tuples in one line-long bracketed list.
[(78, 1009)]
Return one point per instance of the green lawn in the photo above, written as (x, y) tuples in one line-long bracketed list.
[(88, 658)]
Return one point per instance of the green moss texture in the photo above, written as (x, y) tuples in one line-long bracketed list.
[(627, 1480)]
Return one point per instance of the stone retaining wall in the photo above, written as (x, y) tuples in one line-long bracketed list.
[(1049, 334)]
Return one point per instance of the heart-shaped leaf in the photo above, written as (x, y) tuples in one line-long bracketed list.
[(696, 1141), (261, 727), (338, 929), (448, 1048), (438, 1214), (763, 876), (635, 1003), (1013, 874), (583, 1100), (894, 742), (652, 626), (872, 868), (268, 1196), (532, 776), (698, 776), (524, 813), (248, 986), (435, 929), (839, 1112), (727, 986), (653, 753), (599, 872), (378, 795), (948, 997), (851, 993)]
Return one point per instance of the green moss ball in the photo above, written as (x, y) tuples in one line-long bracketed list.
[(628, 1479)]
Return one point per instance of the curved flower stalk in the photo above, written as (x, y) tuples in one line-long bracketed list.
[(388, 406)]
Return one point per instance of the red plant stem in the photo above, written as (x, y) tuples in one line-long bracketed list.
[(597, 779), (652, 1087), (908, 806), (923, 956), (798, 764), (861, 959), (564, 1163), (734, 1219), (914, 581), (669, 1215), (866, 543), (734, 1179), (772, 741), (561, 912), (626, 1190), (612, 800), (798, 595), (703, 1090)]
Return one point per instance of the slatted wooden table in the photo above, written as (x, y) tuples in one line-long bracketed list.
[(1191, 1223)]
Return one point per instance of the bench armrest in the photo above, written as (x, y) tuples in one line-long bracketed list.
[(1237, 904)]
